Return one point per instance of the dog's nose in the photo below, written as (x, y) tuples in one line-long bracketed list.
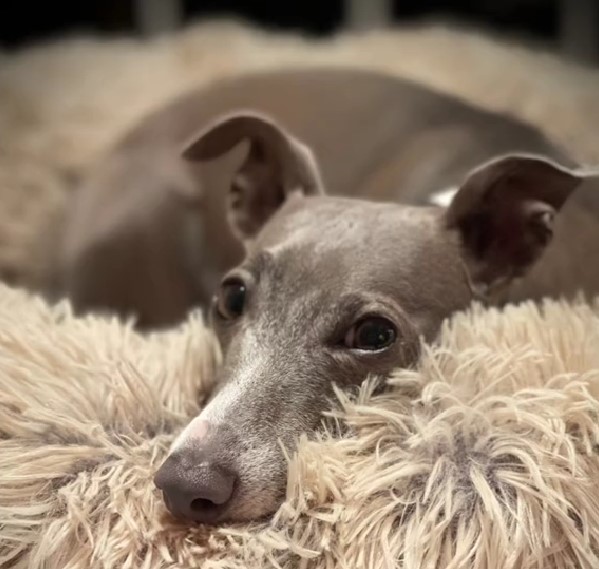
[(193, 487)]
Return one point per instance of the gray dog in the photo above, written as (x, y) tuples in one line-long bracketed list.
[(442, 203)]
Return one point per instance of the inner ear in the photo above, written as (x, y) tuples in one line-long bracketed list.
[(277, 165), (504, 214)]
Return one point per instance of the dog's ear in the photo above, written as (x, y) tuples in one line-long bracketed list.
[(504, 213), (277, 165)]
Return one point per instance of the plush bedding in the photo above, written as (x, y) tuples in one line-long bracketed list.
[(485, 456)]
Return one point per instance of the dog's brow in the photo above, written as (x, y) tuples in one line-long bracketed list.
[(259, 262)]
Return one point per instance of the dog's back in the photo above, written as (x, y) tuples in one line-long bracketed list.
[(362, 124)]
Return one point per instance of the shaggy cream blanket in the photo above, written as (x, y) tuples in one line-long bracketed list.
[(485, 456)]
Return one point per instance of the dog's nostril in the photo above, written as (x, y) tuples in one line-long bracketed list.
[(202, 505)]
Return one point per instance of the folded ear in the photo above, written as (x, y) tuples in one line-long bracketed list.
[(276, 166), (504, 213)]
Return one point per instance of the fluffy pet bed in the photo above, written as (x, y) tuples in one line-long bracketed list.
[(483, 457)]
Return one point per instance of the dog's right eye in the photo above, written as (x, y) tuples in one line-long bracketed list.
[(231, 299), (371, 334)]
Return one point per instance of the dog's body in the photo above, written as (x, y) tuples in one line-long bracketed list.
[(324, 289)]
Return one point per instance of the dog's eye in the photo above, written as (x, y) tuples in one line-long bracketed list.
[(371, 334), (231, 299)]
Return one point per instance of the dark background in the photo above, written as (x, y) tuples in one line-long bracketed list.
[(25, 22), (569, 25)]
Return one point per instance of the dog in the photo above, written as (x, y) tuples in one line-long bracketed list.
[(430, 203)]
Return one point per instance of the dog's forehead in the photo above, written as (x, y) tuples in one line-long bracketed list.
[(331, 224), (326, 247)]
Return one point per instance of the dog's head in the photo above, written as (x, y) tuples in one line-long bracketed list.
[(333, 290)]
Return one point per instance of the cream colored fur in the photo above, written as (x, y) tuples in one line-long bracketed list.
[(484, 457)]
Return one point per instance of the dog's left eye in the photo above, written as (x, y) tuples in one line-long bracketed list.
[(231, 299), (371, 334)]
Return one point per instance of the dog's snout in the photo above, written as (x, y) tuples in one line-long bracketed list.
[(195, 487)]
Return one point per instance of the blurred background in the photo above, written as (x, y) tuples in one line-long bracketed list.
[(77, 74), (568, 26)]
